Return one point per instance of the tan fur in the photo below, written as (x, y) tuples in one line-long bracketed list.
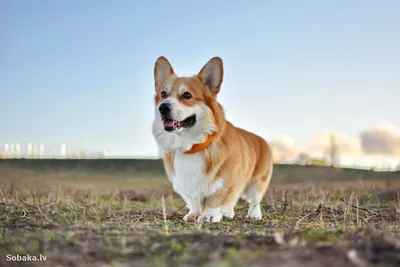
[(242, 158)]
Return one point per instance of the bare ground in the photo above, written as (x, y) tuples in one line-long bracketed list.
[(80, 220)]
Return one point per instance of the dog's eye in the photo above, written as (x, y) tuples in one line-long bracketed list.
[(163, 94), (187, 95)]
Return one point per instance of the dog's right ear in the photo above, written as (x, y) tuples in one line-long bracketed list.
[(162, 71)]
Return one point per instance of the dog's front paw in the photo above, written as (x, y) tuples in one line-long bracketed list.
[(191, 216), (253, 217), (227, 212), (254, 214), (210, 216)]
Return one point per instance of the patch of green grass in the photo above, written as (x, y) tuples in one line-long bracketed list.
[(323, 234)]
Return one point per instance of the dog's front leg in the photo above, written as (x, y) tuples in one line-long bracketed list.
[(221, 204), (194, 206), (212, 209)]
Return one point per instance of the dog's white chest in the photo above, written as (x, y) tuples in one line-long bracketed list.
[(189, 179)]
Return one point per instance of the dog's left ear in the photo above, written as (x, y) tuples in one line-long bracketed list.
[(212, 74)]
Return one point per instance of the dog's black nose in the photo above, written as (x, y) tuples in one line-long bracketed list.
[(165, 108)]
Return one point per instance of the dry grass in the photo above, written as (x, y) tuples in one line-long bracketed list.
[(79, 219)]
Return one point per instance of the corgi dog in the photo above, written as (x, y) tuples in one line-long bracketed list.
[(210, 162)]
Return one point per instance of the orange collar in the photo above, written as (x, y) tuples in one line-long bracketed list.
[(198, 147)]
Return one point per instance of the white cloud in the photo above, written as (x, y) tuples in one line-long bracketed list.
[(381, 139), (345, 145), (285, 149)]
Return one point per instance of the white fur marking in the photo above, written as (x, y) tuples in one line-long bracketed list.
[(228, 211), (182, 89), (210, 215), (253, 197), (190, 182), (183, 139)]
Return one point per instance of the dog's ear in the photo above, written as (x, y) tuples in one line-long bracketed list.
[(162, 71), (212, 74)]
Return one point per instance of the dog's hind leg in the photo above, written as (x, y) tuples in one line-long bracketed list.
[(254, 194)]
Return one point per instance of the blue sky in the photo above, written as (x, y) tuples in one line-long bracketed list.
[(81, 72)]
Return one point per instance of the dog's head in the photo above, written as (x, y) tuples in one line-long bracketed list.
[(186, 107)]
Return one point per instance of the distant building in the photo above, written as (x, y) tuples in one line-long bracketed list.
[(35, 150), (29, 150), (18, 149), (12, 150), (41, 150), (63, 149)]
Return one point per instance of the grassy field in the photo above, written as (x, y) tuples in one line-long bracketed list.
[(82, 219)]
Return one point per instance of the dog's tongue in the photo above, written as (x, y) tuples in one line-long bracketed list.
[(171, 124)]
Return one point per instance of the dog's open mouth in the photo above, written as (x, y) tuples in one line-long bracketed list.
[(171, 125)]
